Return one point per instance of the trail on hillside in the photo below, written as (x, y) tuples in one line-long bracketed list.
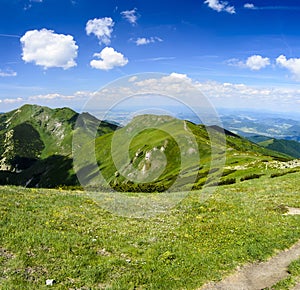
[(258, 276), (297, 287)]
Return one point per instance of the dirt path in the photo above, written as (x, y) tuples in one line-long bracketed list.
[(258, 276), (297, 287)]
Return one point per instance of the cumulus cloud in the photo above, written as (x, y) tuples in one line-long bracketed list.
[(131, 16), (292, 64), (257, 62), (254, 62), (144, 40), (187, 90), (53, 96), (48, 49), (11, 101), (7, 73), (220, 6), (249, 6), (102, 28), (109, 58)]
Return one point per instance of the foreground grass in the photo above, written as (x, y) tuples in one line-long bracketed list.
[(48, 234)]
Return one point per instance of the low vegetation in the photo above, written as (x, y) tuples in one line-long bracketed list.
[(251, 176), (68, 237)]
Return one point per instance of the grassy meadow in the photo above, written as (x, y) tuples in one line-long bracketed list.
[(68, 237)]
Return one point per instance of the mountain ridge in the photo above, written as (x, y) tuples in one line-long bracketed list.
[(36, 151)]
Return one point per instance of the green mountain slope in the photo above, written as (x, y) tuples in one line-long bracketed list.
[(36, 145), (151, 161), (289, 147), (162, 152)]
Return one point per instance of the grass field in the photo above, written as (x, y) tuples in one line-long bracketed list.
[(67, 236)]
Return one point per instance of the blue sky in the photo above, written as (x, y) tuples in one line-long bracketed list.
[(241, 54)]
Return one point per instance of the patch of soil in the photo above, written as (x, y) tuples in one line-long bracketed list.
[(5, 254), (258, 276), (297, 286), (293, 211)]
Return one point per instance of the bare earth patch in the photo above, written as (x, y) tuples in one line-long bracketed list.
[(297, 287), (5, 254), (258, 276), (293, 211)]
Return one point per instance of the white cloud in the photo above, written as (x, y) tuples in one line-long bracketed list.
[(7, 73), (257, 62), (254, 62), (292, 64), (235, 62), (109, 59), (159, 58), (131, 16), (48, 49), (102, 28), (50, 97), (220, 6), (249, 6), (243, 96), (144, 41), (133, 79), (189, 91), (11, 101)]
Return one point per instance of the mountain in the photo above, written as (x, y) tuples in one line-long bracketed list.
[(154, 159), (36, 145), (249, 124), (289, 147), (151, 153)]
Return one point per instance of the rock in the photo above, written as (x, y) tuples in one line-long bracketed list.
[(50, 282)]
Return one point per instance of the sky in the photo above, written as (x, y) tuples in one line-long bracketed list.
[(239, 54)]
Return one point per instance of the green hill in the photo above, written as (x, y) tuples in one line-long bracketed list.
[(154, 157), (163, 152), (71, 238), (289, 147), (36, 145)]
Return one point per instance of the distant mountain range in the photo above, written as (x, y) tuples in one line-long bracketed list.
[(249, 124), (36, 151)]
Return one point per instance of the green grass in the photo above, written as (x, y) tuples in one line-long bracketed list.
[(66, 236), (124, 172)]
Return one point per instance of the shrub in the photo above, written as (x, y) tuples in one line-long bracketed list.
[(223, 182), (227, 181), (251, 176), (277, 174), (228, 171)]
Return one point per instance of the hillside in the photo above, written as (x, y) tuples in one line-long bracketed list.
[(289, 147), (36, 145), (154, 160), (71, 238), (162, 152)]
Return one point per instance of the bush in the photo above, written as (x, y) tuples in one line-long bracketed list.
[(251, 176), (223, 182), (227, 181), (277, 174), (227, 172)]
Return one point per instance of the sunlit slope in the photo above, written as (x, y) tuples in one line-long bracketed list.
[(289, 147), (153, 153)]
